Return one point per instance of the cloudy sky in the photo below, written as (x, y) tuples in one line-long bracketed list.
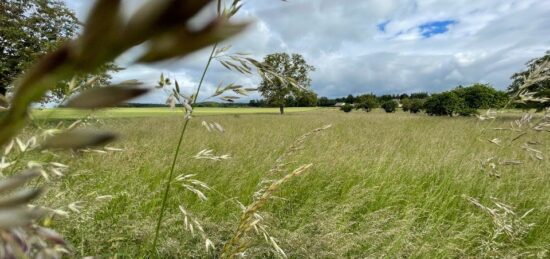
[(379, 46)]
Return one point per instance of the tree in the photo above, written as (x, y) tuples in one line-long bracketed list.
[(350, 99), (28, 30), (346, 107), (390, 106), (290, 101), (416, 105), (306, 99), (367, 102), (446, 103), (541, 88), (257, 103), (294, 67), (406, 104), (419, 95), (325, 102), (31, 28), (386, 97), (412, 105)]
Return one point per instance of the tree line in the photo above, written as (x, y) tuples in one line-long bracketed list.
[(350, 99), (459, 101)]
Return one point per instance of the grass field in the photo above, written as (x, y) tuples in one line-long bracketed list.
[(66, 113), (381, 185)]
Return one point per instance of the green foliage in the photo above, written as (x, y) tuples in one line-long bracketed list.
[(346, 107), (465, 100), (446, 103), (416, 105), (406, 104), (387, 97), (390, 106), (325, 102), (419, 95), (350, 99), (412, 105), (477, 96), (29, 30), (482, 96), (257, 103), (540, 88), (302, 99), (367, 102), (290, 66)]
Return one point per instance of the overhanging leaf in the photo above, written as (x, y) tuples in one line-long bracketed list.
[(102, 28), (19, 198), (181, 41), (161, 14), (14, 217), (17, 180), (78, 139), (105, 97)]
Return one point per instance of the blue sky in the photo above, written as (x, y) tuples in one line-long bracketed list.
[(430, 29), (361, 46)]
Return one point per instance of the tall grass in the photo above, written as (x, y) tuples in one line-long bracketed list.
[(177, 151), (381, 185), (243, 64)]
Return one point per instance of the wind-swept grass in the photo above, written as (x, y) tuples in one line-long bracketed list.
[(380, 185)]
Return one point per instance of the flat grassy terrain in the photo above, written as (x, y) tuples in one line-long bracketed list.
[(381, 185), (66, 113)]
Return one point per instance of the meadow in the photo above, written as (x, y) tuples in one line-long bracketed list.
[(248, 182), (381, 185), (68, 113)]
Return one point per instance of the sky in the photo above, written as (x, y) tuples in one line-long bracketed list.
[(364, 46)]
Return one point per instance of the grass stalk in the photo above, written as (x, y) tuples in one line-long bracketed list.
[(176, 153)]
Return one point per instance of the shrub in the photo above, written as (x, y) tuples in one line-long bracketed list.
[(481, 96), (465, 101), (446, 103), (367, 102), (370, 104), (406, 104), (390, 106), (346, 107), (416, 105)]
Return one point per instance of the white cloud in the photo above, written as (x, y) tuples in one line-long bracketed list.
[(489, 41)]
